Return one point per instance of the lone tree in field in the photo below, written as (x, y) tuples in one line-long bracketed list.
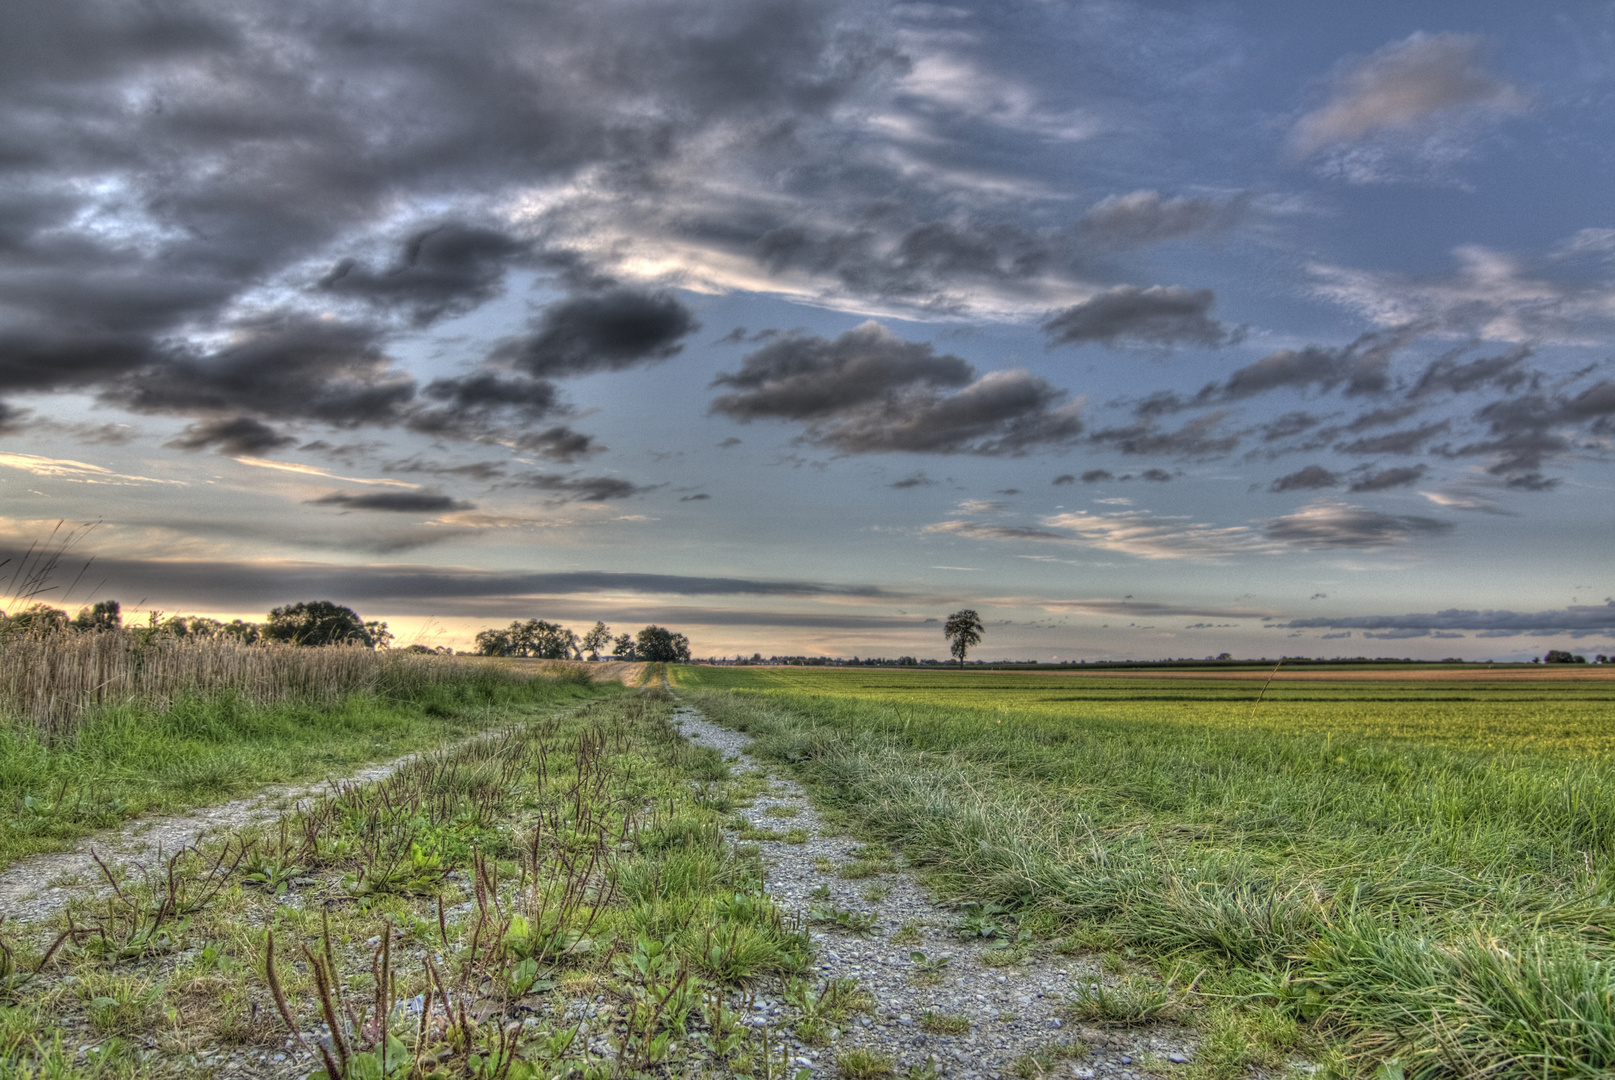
[(963, 630)]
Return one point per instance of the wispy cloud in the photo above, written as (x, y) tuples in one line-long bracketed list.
[(310, 470), (78, 472)]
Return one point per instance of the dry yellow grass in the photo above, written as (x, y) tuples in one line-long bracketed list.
[(50, 680)]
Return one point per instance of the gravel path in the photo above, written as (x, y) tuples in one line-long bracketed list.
[(37, 887), (1012, 1010)]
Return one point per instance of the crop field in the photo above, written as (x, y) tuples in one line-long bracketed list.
[(1414, 870)]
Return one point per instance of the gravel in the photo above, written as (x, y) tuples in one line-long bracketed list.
[(1013, 1011), (35, 888)]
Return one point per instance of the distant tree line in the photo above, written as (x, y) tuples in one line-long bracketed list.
[(551, 641), (312, 622)]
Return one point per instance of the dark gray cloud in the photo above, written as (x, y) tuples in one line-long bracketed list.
[(1095, 476), (161, 163), (699, 497), (1199, 438), (259, 584), (1311, 478), (812, 378), (1577, 621), (1141, 218), (445, 269), (239, 436), (1384, 479), (608, 331), (1159, 476), (1505, 371), (977, 530), (918, 479), (394, 502), (1065, 478), (1526, 433), (1410, 441), (868, 391), (1327, 525), (1289, 425), (1129, 315), (281, 366), (575, 488), (1362, 367)]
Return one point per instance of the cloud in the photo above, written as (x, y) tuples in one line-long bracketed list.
[(1527, 432), (981, 506), (202, 158), (1577, 620), (238, 436), (1140, 218), (1504, 372), (1128, 315), (1384, 479), (1362, 366), (918, 479), (868, 391), (1395, 442), (279, 365), (247, 585), (1143, 609), (695, 498), (79, 472), (1066, 478), (311, 470), (1159, 476), (1310, 478), (1096, 476), (1492, 296), (393, 502), (444, 269), (608, 331), (1328, 525), (1198, 438), (1406, 86), (575, 488), (977, 530), (1147, 536)]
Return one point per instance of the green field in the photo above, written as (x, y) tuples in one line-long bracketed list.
[(1409, 871)]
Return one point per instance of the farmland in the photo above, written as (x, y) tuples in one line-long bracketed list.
[(1417, 869)]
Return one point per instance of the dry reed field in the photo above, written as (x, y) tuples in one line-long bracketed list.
[(50, 681)]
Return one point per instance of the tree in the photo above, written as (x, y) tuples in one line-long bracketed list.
[(658, 645), (964, 631), (596, 639), (623, 648), (1560, 656), (37, 619), (320, 622), (105, 615)]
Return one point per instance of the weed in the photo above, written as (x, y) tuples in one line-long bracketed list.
[(1041, 1061), (778, 811), (863, 1064), (861, 923), (874, 894), (935, 1023), (860, 868), (798, 836), (907, 934), (1131, 1001)]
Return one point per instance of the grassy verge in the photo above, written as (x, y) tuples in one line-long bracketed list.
[(201, 748), (1427, 908), (556, 901)]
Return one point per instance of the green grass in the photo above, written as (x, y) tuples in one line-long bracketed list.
[(1419, 869), (133, 759), (564, 864)]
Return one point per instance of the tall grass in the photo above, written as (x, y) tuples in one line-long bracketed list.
[(98, 727), (52, 682)]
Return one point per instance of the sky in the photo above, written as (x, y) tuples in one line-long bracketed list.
[(1143, 329)]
